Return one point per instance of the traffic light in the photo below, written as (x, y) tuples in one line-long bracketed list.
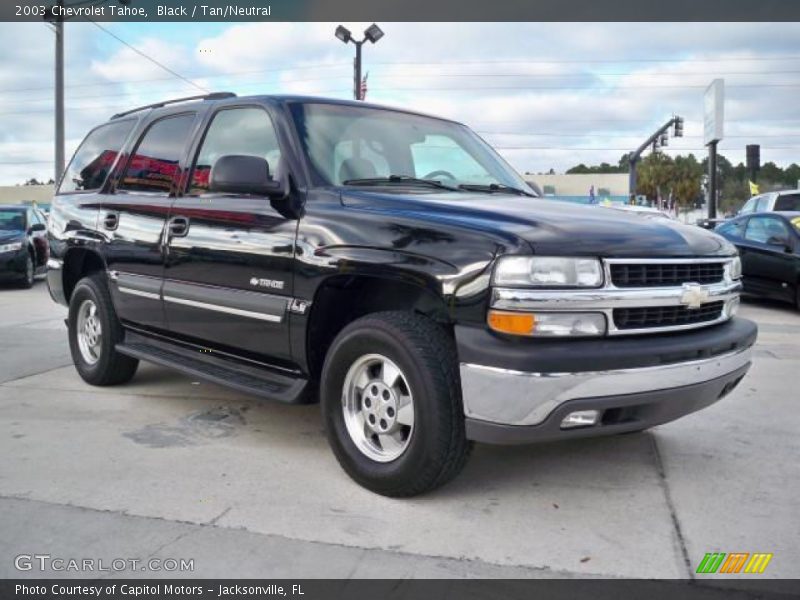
[(753, 158), (678, 126), (664, 141)]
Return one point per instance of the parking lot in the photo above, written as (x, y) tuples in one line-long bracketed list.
[(169, 467)]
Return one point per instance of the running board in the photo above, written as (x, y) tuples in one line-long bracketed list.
[(263, 383)]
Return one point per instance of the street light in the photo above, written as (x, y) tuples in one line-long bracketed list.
[(371, 34)]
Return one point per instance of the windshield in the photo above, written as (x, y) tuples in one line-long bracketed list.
[(345, 143), (12, 220)]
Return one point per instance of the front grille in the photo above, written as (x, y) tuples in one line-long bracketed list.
[(665, 316), (665, 274)]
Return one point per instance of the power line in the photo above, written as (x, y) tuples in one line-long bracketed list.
[(155, 79), (593, 61), (151, 59)]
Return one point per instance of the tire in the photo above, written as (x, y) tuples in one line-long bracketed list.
[(30, 273), (433, 448), (91, 314)]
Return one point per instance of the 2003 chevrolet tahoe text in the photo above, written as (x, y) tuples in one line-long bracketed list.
[(392, 266)]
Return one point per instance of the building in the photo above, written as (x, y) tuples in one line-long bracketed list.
[(26, 194), (576, 186)]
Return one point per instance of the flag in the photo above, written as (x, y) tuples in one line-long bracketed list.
[(753, 188), (363, 90)]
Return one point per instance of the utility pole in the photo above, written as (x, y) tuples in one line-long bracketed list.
[(58, 26)]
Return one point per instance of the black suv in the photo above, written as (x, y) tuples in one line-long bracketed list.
[(392, 266)]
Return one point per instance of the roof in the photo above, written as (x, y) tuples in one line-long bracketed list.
[(228, 97)]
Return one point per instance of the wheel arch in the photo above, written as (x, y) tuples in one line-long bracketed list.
[(78, 263), (342, 299)]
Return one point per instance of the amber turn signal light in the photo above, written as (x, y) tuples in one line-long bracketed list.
[(511, 322)]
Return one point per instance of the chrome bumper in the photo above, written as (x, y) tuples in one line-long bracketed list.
[(520, 398)]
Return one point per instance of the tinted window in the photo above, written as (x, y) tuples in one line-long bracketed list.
[(156, 159), (733, 229), (89, 167), (761, 229), (244, 131), (12, 220), (788, 202)]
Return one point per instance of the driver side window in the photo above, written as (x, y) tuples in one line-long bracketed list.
[(440, 155), (243, 131)]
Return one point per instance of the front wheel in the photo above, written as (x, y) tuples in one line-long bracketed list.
[(392, 406), (29, 274), (94, 332)]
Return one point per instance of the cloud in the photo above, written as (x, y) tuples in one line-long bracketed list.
[(544, 93)]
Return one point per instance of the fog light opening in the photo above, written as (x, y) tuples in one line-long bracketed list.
[(581, 418)]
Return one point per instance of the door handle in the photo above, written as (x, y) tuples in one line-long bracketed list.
[(178, 226), (111, 221)]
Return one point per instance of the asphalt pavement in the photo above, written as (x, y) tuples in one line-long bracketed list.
[(170, 468)]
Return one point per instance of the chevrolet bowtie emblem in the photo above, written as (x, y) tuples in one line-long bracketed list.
[(694, 296)]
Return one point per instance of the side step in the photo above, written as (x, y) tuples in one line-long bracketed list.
[(223, 371)]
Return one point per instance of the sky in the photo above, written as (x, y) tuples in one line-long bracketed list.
[(545, 95)]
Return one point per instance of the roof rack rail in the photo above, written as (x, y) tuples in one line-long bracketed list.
[(212, 96)]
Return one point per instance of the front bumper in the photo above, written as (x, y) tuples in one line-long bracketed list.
[(517, 391), (12, 264)]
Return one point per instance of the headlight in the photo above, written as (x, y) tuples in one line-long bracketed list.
[(735, 268), (12, 247), (548, 271)]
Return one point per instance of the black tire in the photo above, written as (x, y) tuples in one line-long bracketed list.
[(111, 367), (437, 448), (30, 273)]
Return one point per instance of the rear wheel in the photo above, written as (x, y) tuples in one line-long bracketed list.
[(94, 332), (392, 404)]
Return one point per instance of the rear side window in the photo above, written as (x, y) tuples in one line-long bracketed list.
[(154, 163), (762, 204), (94, 158), (733, 229), (788, 202)]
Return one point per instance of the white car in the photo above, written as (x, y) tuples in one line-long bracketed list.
[(646, 211), (780, 201)]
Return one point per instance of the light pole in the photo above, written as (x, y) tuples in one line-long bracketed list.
[(372, 34), (58, 28)]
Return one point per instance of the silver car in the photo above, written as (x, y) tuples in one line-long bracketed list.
[(781, 201)]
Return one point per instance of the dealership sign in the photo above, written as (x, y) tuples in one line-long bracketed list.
[(714, 112)]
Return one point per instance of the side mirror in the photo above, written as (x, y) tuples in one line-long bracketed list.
[(37, 227), (239, 174), (779, 241)]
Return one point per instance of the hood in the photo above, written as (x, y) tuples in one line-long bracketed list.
[(551, 226), (6, 237)]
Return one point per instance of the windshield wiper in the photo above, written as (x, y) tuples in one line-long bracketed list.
[(495, 187), (404, 179)]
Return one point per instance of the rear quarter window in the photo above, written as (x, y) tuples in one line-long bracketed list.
[(788, 202), (94, 158)]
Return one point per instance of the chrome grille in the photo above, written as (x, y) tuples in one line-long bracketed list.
[(665, 274), (665, 316)]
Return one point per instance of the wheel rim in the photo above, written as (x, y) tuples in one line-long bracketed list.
[(29, 270), (90, 332), (378, 408)]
